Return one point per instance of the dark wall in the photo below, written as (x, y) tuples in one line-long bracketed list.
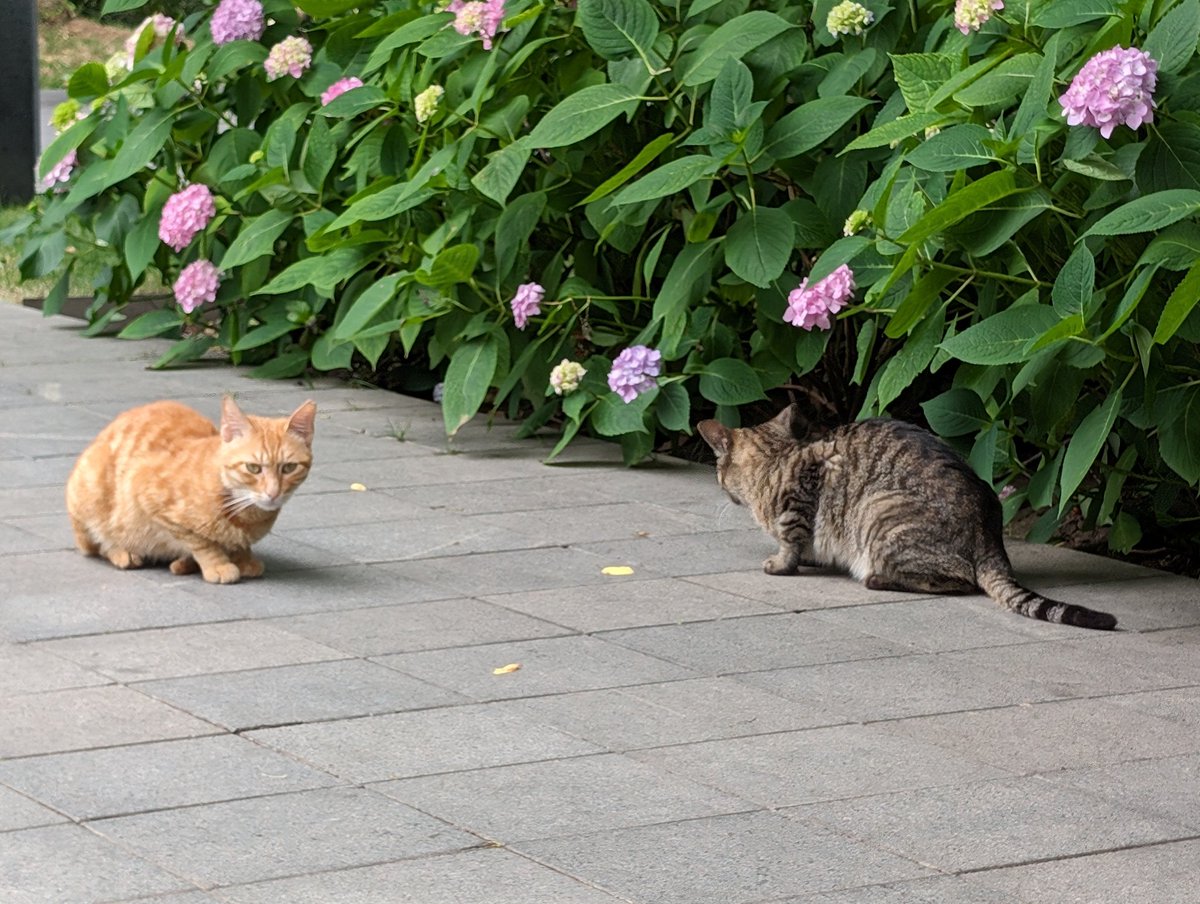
[(18, 101)]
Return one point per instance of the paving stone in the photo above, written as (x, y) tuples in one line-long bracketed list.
[(417, 626), (680, 556), (286, 695), (894, 688), (28, 502), (39, 472), (486, 574), (1069, 734), (183, 897), (939, 890), (157, 776), (492, 876), (346, 506), (754, 643), (1040, 566), (561, 797), (1147, 603), (19, 812), (812, 589), (69, 863), (418, 469), (1154, 874), (733, 859), (795, 767), (190, 650), (514, 494), (629, 604), (996, 823), (553, 665), (17, 538), (440, 535), (591, 523), (378, 748), (284, 835), (29, 670), (88, 717), (673, 712), (1167, 787)]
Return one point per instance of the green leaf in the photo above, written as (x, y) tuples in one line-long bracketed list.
[(1179, 305), (912, 309), (1008, 80), (140, 245), (515, 226), (329, 354), (413, 32), (1002, 338), (733, 40), (137, 150), (1033, 104), (152, 323), (1172, 42), (1066, 13), (686, 282), (256, 238), (1179, 432), (322, 272), (66, 142), (498, 177), (960, 204), (730, 381), (956, 412), (452, 265), (88, 81), (668, 179), (261, 335), (912, 359), (618, 28), (1085, 445), (759, 244), (613, 417), (957, 148), (896, 130), (644, 156), (353, 102), (918, 75), (581, 114), (1171, 158), (120, 6), (810, 124), (320, 152), (365, 307), (1175, 248), (53, 302), (290, 364), (323, 9), (468, 377), (1148, 213), (1076, 281), (674, 408)]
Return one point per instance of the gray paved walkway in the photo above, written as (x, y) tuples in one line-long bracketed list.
[(693, 732)]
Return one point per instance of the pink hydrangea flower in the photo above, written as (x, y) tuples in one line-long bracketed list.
[(481, 17), (527, 302), (197, 284), (810, 306), (1113, 87), (237, 20), (970, 15), (59, 173), (291, 56), (634, 371), (186, 213), (340, 87)]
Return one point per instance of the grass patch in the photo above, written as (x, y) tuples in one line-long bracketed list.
[(67, 41)]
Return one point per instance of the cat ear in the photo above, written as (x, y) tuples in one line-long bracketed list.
[(791, 421), (303, 421), (234, 424), (716, 435)]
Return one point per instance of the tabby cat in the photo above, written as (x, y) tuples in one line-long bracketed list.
[(885, 500), (161, 483)]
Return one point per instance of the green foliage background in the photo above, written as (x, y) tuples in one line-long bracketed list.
[(669, 171)]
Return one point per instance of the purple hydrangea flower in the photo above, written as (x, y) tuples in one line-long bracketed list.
[(59, 173), (186, 213), (340, 87), (481, 17), (810, 306), (291, 56), (1113, 87), (527, 302), (197, 284), (634, 371), (237, 20), (970, 15)]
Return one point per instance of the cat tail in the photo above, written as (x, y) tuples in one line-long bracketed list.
[(995, 578)]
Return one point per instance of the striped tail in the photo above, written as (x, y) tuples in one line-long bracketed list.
[(997, 581)]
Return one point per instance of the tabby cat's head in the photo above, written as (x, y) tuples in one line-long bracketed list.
[(743, 453), (262, 459)]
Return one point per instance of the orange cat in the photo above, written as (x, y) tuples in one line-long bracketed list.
[(161, 483)]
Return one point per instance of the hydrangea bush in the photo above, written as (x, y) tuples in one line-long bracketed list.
[(618, 215)]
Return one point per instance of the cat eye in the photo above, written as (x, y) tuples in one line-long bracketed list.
[(287, 467), (253, 468)]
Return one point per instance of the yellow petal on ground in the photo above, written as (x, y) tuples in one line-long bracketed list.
[(358, 487), (616, 569), (506, 669)]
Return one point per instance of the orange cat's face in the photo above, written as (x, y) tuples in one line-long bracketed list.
[(263, 460)]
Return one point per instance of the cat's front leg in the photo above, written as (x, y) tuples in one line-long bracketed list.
[(795, 545), (786, 561), (247, 563), (215, 565)]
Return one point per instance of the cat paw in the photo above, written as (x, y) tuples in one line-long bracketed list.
[(124, 559), (184, 565), (227, 573), (252, 568), (778, 565)]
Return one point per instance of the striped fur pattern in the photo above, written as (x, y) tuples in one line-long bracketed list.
[(885, 500), (162, 483)]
